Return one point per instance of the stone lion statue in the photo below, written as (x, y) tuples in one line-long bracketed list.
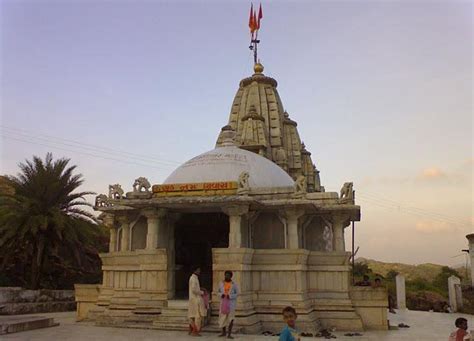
[(243, 182), (300, 184), (115, 191), (102, 201), (141, 184), (346, 191)]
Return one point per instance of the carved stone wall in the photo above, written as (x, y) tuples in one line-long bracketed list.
[(317, 235), (138, 234), (268, 232)]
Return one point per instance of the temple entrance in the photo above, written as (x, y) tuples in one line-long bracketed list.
[(195, 236)]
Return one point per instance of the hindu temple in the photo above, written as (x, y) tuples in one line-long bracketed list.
[(254, 205)]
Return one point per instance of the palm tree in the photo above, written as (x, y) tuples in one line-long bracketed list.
[(43, 219)]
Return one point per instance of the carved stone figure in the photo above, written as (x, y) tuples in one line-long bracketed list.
[(317, 180), (141, 184), (115, 191), (328, 238), (347, 193), (102, 201), (243, 183), (300, 185)]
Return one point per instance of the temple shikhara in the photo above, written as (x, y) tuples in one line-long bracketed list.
[(254, 205)]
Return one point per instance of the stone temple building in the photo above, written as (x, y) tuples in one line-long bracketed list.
[(254, 205)]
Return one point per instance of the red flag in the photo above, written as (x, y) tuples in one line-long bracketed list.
[(251, 19), (260, 16), (255, 23)]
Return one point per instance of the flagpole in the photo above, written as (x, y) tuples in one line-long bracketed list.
[(255, 48), (254, 25)]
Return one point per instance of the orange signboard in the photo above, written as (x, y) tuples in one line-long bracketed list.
[(203, 188)]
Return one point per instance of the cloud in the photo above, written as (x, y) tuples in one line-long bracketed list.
[(469, 162), (431, 173), (434, 227), (460, 176)]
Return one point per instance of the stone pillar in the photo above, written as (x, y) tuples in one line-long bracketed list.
[(235, 221), (125, 225), (470, 238), (153, 217), (109, 222), (171, 220), (401, 294), (454, 299), (113, 240), (292, 215), (338, 224)]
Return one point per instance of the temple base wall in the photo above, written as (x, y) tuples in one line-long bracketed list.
[(317, 284)]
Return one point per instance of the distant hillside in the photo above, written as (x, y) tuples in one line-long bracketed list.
[(426, 271), (4, 186)]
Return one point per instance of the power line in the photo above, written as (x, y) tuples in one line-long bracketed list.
[(80, 152), (91, 147), (413, 209), (402, 210), (52, 142)]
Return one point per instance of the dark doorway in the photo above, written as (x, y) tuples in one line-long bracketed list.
[(195, 236)]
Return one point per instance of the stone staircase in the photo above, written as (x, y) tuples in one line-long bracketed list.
[(173, 317)]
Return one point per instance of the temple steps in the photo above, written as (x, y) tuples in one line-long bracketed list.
[(174, 316)]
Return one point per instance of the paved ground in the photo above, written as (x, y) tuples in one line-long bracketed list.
[(424, 326)]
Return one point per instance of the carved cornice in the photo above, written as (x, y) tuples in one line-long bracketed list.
[(290, 122), (258, 79), (292, 213), (154, 213), (235, 210)]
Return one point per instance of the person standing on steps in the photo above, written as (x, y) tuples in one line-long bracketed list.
[(196, 309), (228, 293)]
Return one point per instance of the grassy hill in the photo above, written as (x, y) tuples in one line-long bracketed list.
[(426, 284), (425, 271)]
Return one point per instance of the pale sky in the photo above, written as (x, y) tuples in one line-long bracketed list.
[(381, 91)]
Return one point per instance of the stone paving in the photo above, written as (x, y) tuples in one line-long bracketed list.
[(423, 326)]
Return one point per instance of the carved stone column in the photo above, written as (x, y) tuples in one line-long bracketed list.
[(235, 219), (154, 217), (338, 224), (125, 225), (109, 221), (292, 215), (171, 220)]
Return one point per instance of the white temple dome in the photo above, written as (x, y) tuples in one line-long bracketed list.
[(226, 164)]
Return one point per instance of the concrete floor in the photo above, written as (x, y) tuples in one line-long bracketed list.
[(424, 326)]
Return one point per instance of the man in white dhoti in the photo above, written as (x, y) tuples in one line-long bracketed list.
[(228, 292), (196, 309)]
